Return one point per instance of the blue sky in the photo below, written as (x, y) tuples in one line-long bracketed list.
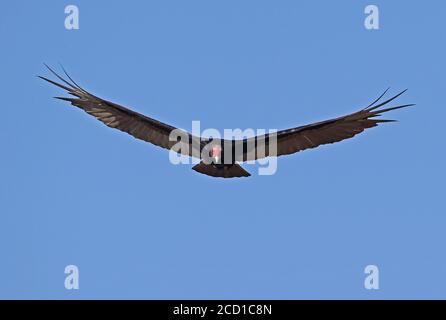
[(73, 191)]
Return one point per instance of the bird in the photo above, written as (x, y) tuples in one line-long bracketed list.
[(211, 152)]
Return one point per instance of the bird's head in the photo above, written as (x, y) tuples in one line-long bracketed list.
[(216, 153)]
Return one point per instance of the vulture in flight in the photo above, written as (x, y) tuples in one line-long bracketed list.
[(211, 152)]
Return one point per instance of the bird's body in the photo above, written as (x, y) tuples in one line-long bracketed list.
[(220, 157)]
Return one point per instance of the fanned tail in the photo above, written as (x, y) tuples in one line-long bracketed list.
[(226, 171)]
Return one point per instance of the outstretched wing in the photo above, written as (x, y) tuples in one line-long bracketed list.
[(229, 171), (311, 136), (126, 120)]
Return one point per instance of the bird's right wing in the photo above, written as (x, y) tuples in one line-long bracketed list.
[(126, 120)]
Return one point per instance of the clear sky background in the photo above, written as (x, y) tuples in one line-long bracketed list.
[(73, 191)]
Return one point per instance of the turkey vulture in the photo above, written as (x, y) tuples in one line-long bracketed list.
[(285, 141)]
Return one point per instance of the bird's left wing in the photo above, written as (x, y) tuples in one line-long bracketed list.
[(124, 119), (313, 135)]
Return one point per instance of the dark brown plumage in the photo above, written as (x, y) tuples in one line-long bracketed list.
[(288, 141)]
